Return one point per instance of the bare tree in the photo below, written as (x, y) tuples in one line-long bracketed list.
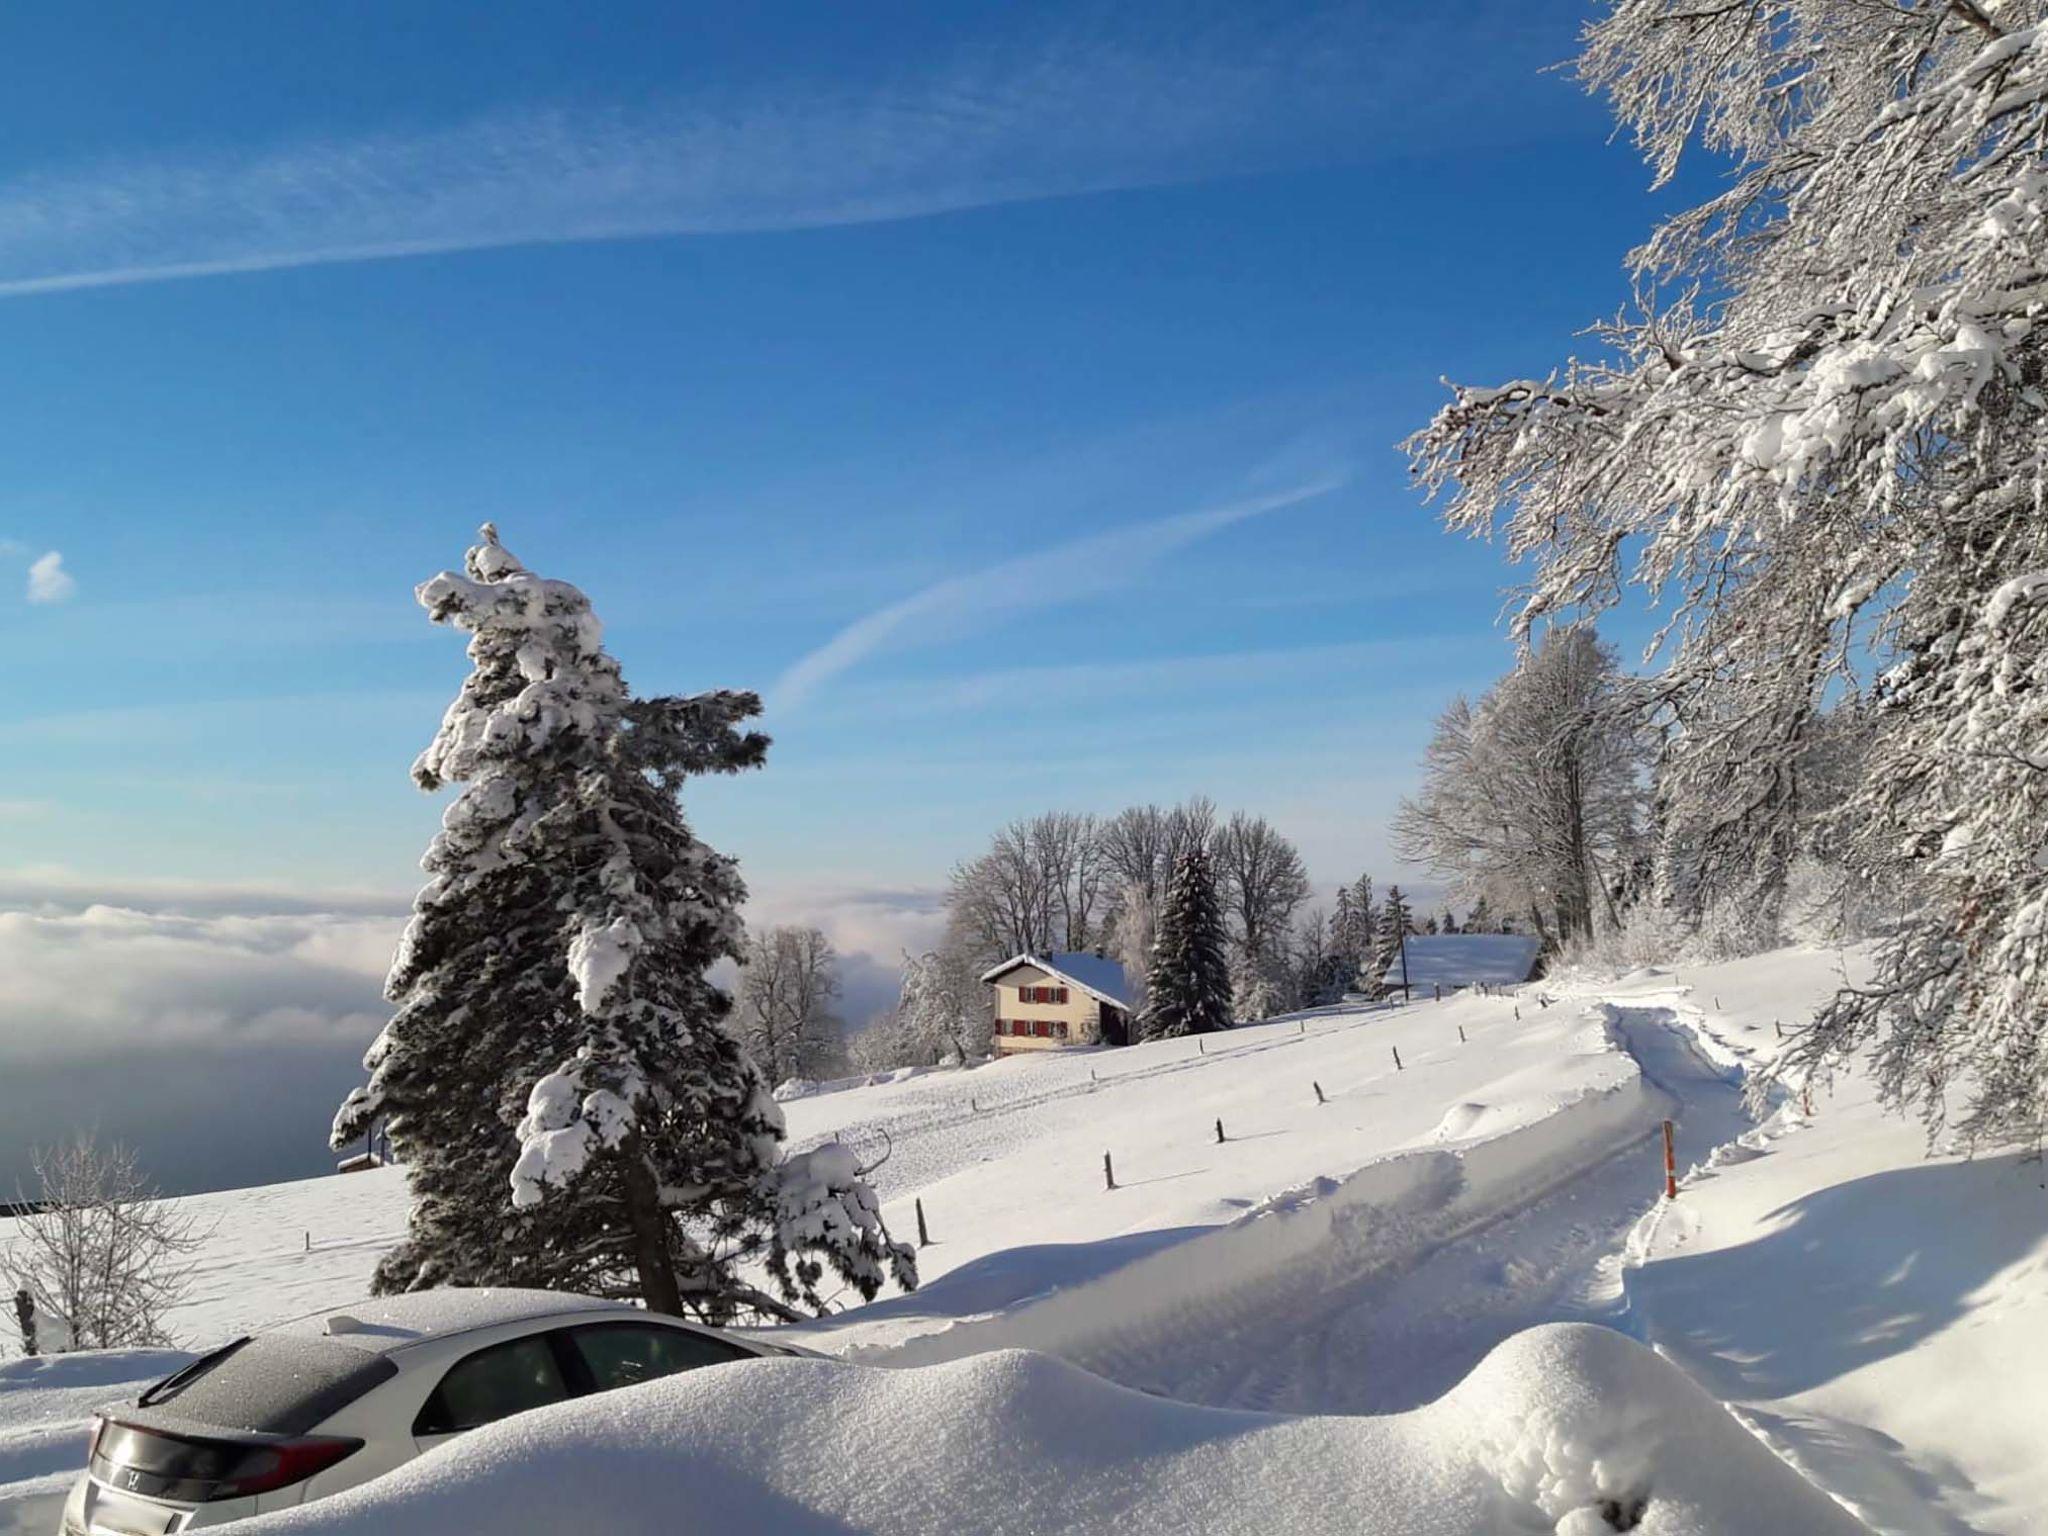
[(1137, 846), (1040, 887), (101, 1258), (1532, 800), (1068, 850), (784, 1010), (1263, 881), (1190, 828)]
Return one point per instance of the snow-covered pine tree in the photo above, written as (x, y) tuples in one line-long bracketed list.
[(1396, 923), (556, 963), (1187, 990)]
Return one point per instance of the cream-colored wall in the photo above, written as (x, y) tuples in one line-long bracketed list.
[(1081, 1012)]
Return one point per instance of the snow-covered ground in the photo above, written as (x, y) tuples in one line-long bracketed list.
[(1873, 1316)]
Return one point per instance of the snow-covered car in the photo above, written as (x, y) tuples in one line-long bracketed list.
[(331, 1401)]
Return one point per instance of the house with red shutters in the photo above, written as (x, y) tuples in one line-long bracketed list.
[(1059, 1001)]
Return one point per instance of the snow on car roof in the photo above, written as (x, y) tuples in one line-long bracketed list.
[(382, 1323)]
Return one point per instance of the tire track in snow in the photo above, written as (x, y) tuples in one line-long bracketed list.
[(1407, 1297)]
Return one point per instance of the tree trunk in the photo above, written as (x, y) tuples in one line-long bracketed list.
[(658, 1288)]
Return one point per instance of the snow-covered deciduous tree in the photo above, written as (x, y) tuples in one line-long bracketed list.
[(100, 1258), (784, 1017), (1187, 990), (1262, 881), (1819, 437), (1131, 934), (1533, 796), (941, 1007), (559, 1075)]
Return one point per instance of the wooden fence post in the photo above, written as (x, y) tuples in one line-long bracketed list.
[(1219, 1133), (1319, 1093), (1670, 1165), (1461, 1034), (1397, 1058), (924, 1236), (1108, 1172)]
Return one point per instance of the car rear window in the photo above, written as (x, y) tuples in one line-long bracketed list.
[(277, 1384)]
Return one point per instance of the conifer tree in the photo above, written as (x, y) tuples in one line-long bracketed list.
[(555, 965), (1395, 926), (1188, 989)]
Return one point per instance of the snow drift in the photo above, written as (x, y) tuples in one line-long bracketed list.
[(1570, 1429)]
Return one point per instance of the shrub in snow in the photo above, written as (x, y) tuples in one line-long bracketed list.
[(97, 1261), (559, 1076), (1187, 990), (1822, 437)]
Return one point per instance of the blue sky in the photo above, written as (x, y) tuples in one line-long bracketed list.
[(1009, 393)]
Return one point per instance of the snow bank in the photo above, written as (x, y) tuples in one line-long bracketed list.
[(1569, 1429)]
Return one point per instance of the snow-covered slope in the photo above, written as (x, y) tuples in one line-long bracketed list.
[(1874, 1317), (1574, 1430)]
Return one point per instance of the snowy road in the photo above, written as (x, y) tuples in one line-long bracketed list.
[(1391, 1339)]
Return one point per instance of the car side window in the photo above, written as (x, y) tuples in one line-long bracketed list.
[(491, 1384), (626, 1354)]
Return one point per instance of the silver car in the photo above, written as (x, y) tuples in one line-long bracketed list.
[(332, 1401)]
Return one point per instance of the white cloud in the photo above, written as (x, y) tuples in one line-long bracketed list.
[(48, 581), (1065, 573), (96, 985), (1123, 103)]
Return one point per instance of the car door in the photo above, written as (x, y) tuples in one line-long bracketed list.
[(611, 1355), (490, 1384)]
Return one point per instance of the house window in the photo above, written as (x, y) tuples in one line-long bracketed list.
[(1059, 994), (1060, 1030)]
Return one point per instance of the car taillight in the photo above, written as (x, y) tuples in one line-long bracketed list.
[(286, 1462)]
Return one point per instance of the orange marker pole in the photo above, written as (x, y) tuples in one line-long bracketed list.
[(1670, 1165)]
